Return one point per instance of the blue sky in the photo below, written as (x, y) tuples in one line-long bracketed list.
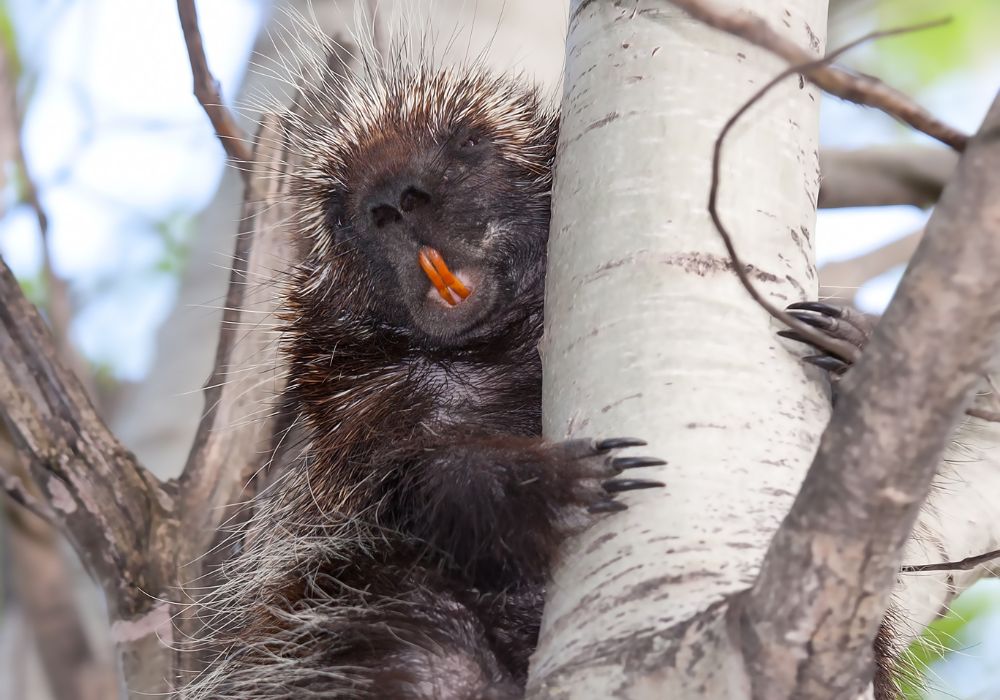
[(119, 149)]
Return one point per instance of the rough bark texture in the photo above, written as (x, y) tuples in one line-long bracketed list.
[(109, 507), (141, 539), (241, 396), (649, 333), (822, 590), (642, 314)]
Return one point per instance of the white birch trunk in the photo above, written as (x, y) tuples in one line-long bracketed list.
[(648, 333)]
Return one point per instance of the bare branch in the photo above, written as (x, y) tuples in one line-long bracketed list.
[(241, 397), (809, 621), (207, 89), (9, 134), (103, 500), (962, 565), (884, 175), (58, 304), (43, 583), (811, 335), (45, 589), (857, 88), (241, 431)]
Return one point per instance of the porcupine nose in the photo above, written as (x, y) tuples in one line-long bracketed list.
[(397, 200)]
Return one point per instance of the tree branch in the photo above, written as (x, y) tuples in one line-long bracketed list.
[(884, 175), (233, 440), (960, 565), (46, 590), (240, 433), (103, 500), (743, 272), (857, 88), (809, 621), (208, 92)]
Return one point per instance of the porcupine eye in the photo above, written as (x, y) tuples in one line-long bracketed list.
[(471, 140)]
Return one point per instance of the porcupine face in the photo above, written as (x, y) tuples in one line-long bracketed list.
[(436, 191)]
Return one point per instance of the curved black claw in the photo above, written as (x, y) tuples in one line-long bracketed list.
[(819, 307), (618, 443), (620, 464), (823, 322), (607, 506), (846, 330), (593, 470), (620, 485), (828, 362)]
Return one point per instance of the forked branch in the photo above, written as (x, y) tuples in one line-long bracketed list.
[(103, 501), (858, 88)]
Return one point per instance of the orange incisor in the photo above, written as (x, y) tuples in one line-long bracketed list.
[(441, 277)]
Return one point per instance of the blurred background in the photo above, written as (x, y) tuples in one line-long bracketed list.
[(117, 214)]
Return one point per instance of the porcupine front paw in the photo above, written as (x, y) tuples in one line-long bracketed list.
[(848, 329), (505, 503), (592, 473)]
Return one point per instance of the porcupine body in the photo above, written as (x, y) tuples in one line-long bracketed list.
[(405, 554)]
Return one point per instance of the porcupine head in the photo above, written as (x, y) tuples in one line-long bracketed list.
[(423, 192)]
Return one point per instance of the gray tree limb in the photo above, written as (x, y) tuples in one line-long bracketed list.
[(813, 612), (884, 175)]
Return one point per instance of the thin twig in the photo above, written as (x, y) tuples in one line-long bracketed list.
[(858, 88), (109, 499), (59, 305), (813, 336), (208, 91), (960, 565)]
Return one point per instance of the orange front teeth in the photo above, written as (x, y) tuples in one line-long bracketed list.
[(441, 277)]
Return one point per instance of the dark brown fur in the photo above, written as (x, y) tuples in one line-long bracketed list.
[(405, 555)]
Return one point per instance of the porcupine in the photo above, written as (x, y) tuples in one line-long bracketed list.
[(406, 554)]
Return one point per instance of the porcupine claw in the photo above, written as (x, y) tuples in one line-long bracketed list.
[(444, 281)]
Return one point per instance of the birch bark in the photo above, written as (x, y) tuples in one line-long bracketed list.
[(648, 333)]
